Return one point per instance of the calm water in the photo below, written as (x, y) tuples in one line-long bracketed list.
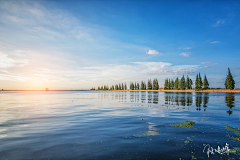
[(118, 125)]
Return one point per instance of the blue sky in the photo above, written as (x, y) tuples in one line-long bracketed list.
[(84, 44)]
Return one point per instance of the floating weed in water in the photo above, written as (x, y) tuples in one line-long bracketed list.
[(189, 139), (184, 124), (235, 150), (143, 135), (235, 130), (194, 158)]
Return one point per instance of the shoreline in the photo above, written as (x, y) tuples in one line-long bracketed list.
[(159, 90), (188, 90)]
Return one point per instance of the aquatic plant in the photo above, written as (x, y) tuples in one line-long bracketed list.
[(235, 130), (184, 124), (235, 150)]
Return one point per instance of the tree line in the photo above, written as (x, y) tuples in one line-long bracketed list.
[(200, 84), (151, 85), (187, 83), (169, 84)]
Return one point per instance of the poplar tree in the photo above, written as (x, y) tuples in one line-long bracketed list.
[(155, 84), (187, 83), (122, 87), (172, 84), (197, 83), (182, 83), (190, 83), (149, 84), (200, 81), (176, 83), (166, 84), (229, 83), (142, 85), (116, 87), (125, 86), (205, 83), (169, 84)]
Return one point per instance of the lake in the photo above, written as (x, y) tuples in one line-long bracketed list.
[(103, 125)]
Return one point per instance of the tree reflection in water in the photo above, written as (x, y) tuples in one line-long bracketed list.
[(198, 101), (229, 99), (178, 98)]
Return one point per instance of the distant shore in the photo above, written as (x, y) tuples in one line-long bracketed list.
[(189, 90), (44, 90)]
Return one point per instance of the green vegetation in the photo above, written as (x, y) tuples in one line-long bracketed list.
[(198, 82), (143, 85), (205, 83), (182, 84), (236, 132), (171, 84), (235, 150), (155, 84), (188, 83), (176, 83), (133, 86), (184, 124), (229, 83), (149, 85)]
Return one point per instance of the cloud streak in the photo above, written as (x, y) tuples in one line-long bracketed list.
[(185, 54), (219, 23), (152, 52), (215, 42)]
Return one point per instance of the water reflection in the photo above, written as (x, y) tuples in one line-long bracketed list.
[(189, 99), (149, 97), (229, 99), (171, 98), (178, 98), (155, 97), (198, 101), (143, 97), (205, 100), (152, 130)]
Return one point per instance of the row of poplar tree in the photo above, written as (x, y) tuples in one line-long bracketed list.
[(171, 84), (151, 85), (186, 84)]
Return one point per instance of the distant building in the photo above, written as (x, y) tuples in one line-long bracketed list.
[(47, 89)]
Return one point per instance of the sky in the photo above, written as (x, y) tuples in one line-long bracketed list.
[(71, 44)]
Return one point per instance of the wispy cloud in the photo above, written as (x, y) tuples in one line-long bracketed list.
[(219, 22), (236, 68), (206, 67), (185, 48), (185, 54), (7, 62), (205, 62), (152, 52), (179, 70), (215, 42)]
